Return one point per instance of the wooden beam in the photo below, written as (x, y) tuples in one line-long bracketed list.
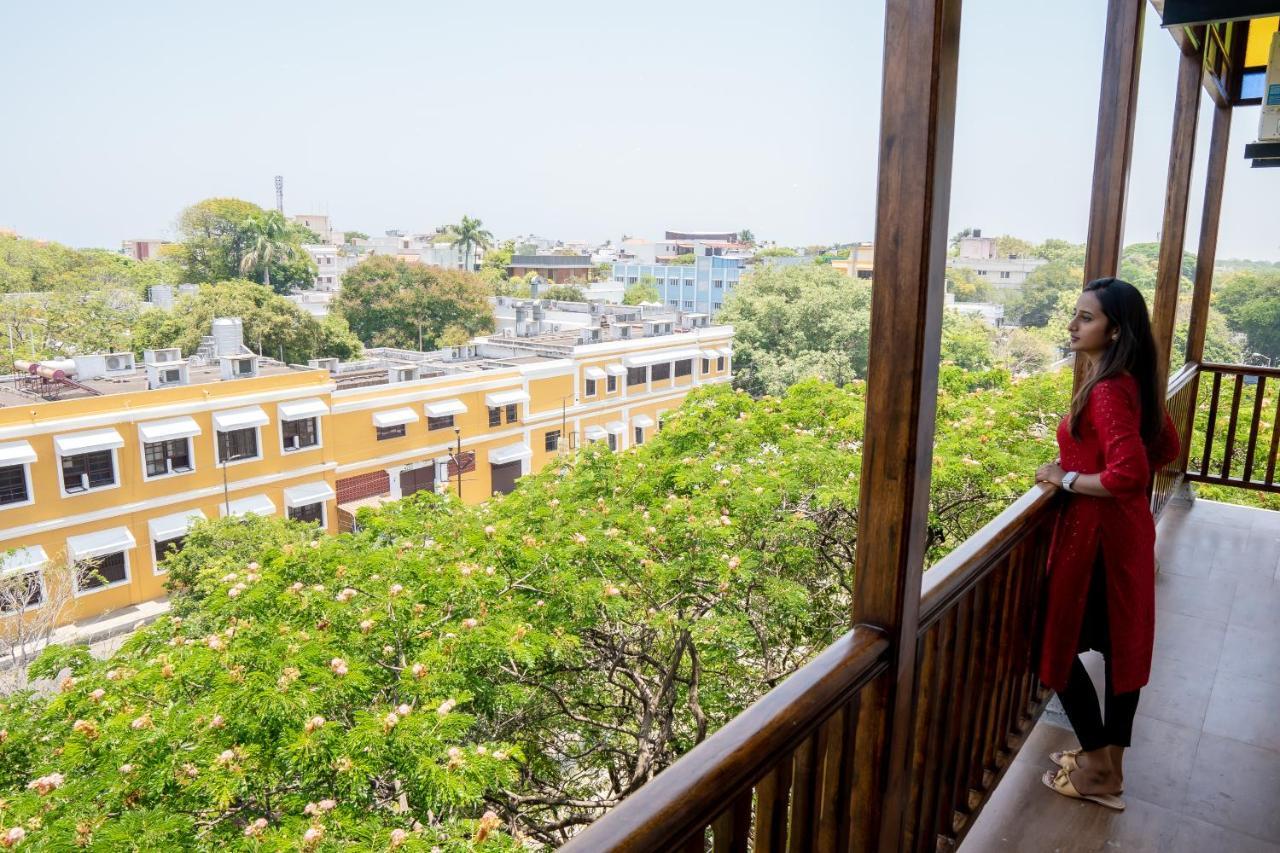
[(1207, 251), (1113, 151), (1186, 111), (917, 125)]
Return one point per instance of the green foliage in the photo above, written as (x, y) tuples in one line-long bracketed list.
[(1054, 250), (66, 322), (225, 238), (389, 302), (33, 266), (499, 258), (682, 260), (641, 291), (776, 252), (553, 648), (1015, 247), (270, 322), (746, 237), (968, 286), (470, 235), (352, 236), (796, 322), (1035, 304), (56, 657), (563, 293), (967, 342), (1250, 301)]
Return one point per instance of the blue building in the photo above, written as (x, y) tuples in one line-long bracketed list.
[(700, 286)]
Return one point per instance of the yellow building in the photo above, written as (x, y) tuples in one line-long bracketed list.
[(860, 263), (115, 468)]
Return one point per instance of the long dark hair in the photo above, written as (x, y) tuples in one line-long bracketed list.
[(1133, 352)]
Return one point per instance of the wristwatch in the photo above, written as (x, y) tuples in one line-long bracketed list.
[(1069, 480)]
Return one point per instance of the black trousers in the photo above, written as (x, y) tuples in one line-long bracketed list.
[(1080, 699)]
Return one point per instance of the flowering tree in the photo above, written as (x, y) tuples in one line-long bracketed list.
[(458, 676)]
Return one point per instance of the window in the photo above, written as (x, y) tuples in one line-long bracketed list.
[(591, 388), (308, 512), (684, 367), (442, 422), (720, 363), (102, 571), (639, 435), (637, 376), (513, 412), (13, 484), (661, 371), (552, 440), (87, 471), (613, 441), (29, 592), (611, 384), (717, 305), (495, 416), (165, 546), (706, 365), (674, 303), (688, 303), (719, 285), (167, 457), (299, 434), (1004, 275), (237, 444), (981, 272), (396, 431)]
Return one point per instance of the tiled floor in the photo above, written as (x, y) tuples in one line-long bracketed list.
[(1204, 770)]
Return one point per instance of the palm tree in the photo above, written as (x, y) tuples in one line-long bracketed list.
[(468, 233), (268, 238), (745, 236)]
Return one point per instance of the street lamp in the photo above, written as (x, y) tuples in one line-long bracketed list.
[(457, 459)]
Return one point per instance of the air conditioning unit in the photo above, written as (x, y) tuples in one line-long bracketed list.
[(119, 362), (329, 364), (292, 442), (161, 356), (1269, 124), (238, 366), (402, 373), (170, 376), (166, 374)]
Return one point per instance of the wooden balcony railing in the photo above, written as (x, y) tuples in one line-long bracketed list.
[(1236, 446), (1180, 403)]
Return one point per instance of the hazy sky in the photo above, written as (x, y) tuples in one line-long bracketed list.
[(566, 119)]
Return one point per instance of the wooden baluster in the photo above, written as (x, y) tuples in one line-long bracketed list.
[(925, 710), (930, 779), (973, 766), (1259, 391), (1213, 422), (1275, 445), (773, 800), (953, 744), (1011, 710), (1008, 658), (845, 801), (1231, 428), (803, 813), (991, 739), (731, 832), (696, 844), (830, 750)]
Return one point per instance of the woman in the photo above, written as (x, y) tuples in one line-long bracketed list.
[(1101, 591)]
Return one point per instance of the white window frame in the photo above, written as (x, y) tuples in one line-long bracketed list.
[(93, 490), (31, 493), (289, 451), (142, 460), (217, 441), (75, 575)]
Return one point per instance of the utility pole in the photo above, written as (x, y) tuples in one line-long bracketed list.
[(280, 194), (457, 459)]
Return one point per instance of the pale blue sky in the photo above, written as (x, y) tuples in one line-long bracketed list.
[(568, 119)]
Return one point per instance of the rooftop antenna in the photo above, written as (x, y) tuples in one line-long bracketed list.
[(280, 194)]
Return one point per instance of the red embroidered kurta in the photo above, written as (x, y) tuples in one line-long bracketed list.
[(1110, 445)]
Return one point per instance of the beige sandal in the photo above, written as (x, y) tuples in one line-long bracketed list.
[(1066, 759), (1060, 783)]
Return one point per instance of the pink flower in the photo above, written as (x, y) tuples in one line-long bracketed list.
[(234, 592), (255, 829), (734, 562), (612, 590), (579, 539), (489, 530), (253, 567), (67, 684), (398, 837), (126, 769), (140, 723), (214, 642), (217, 722), (418, 670), (395, 589), (403, 710), (724, 519), (470, 623), (446, 706), (339, 666), (96, 695), (296, 586), (389, 721), (327, 805), (314, 723), (230, 577), (47, 783), (4, 735), (226, 757), (313, 835), (346, 595), (15, 835), (366, 626), (191, 770)]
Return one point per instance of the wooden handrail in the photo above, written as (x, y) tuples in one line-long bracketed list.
[(1241, 466), (1242, 369), (665, 812)]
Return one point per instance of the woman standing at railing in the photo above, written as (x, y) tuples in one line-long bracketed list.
[(1102, 561)]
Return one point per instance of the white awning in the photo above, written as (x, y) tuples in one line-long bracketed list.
[(395, 417), (154, 431), (505, 398), (595, 373), (233, 419), (647, 358), (97, 544), (298, 410), (258, 505), (445, 408), (710, 353), (510, 453), (595, 433), (173, 526), (17, 453), (87, 442), (725, 352), (642, 421), (23, 560), (615, 369), (616, 426), (308, 493)]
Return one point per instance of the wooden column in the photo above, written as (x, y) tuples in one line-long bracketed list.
[(1173, 230), (917, 121), (1207, 251), (1113, 151)]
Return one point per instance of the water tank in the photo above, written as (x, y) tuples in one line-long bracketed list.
[(50, 372), (65, 366), (23, 366), (228, 336)]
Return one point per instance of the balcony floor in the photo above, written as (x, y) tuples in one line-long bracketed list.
[(1204, 770)]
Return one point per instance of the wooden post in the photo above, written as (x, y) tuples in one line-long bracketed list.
[(1207, 251), (917, 123), (1186, 111), (1113, 151)]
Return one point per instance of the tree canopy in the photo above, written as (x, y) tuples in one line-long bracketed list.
[(1250, 301), (563, 293), (218, 234), (389, 302), (35, 266), (641, 291), (470, 235)]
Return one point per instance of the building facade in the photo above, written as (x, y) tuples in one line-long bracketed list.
[(142, 250), (701, 286), (560, 269), (111, 462), (979, 254)]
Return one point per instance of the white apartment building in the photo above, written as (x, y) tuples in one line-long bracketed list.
[(979, 254)]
